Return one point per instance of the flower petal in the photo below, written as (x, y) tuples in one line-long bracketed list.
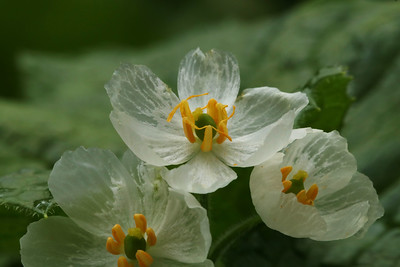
[(184, 234), (254, 148), (354, 207), (259, 107), (95, 190), (153, 190), (281, 211), (142, 103), (153, 145), (58, 241), (324, 156), (215, 72), (202, 174), (139, 93)]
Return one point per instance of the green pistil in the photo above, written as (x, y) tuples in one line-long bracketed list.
[(204, 120), (133, 242)]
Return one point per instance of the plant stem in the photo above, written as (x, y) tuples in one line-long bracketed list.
[(225, 241)]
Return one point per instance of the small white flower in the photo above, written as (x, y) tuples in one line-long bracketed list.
[(208, 127), (313, 190), (120, 213)]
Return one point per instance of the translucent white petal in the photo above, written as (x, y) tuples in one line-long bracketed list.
[(153, 145), (202, 174), (184, 234), (324, 156), (153, 190), (170, 263), (57, 241), (254, 148), (259, 107), (215, 72), (302, 132), (281, 211), (350, 210), (94, 189), (136, 91)]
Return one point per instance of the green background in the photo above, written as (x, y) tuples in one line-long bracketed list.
[(57, 56)]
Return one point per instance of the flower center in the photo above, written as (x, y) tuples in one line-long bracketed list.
[(134, 245), (296, 186), (205, 125)]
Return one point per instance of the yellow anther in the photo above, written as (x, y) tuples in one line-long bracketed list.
[(206, 145), (151, 237), (123, 262), (141, 222), (301, 175), (212, 109), (144, 259), (286, 186), (285, 172), (113, 247), (183, 102), (222, 125), (302, 197), (186, 116), (312, 192), (118, 234)]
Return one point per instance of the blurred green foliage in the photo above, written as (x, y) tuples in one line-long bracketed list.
[(59, 101)]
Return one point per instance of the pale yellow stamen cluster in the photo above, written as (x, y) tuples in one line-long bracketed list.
[(116, 245), (303, 196), (215, 110)]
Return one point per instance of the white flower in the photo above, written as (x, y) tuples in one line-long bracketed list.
[(162, 129), (313, 190), (107, 199)]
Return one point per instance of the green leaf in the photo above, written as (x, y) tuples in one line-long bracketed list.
[(384, 252), (329, 101), (27, 191)]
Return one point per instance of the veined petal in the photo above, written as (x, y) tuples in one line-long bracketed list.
[(302, 132), (324, 156), (354, 207), (281, 211), (259, 107), (58, 241), (153, 145), (184, 234), (254, 148), (202, 174), (95, 190), (136, 91), (153, 190), (215, 72)]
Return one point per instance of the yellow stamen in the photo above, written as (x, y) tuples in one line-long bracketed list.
[(144, 259), (186, 114), (141, 222), (296, 186), (118, 234), (113, 247), (151, 237), (285, 172), (123, 262), (171, 114), (215, 110), (286, 186), (206, 145), (312, 192), (205, 127), (133, 244)]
